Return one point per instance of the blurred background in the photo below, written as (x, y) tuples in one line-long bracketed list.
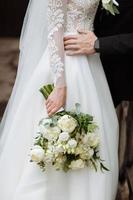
[(11, 19)]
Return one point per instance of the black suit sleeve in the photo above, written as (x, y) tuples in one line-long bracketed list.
[(116, 45)]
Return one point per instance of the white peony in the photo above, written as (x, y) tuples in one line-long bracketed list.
[(49, 158), (67, 123), (79, 149), (59, 162), (77, 164), (94, 140), (91, 152), (86, 153), (106, 1), (85, 139), (64, 136), (37, 154), (51, 133), (72, 143), (115, 2)]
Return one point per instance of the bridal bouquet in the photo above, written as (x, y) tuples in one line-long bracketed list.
[(68, 140), (111, 6)]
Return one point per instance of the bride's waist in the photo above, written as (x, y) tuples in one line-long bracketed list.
[(75, 32)]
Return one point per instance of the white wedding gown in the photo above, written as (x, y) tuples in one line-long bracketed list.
[(87, 85)]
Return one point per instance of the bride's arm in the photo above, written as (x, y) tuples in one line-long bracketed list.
[(56, 21)]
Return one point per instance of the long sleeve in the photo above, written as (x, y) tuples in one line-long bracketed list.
[(56, 21), (117, 45)]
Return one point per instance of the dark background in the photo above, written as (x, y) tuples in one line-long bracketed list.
[(11, 17)]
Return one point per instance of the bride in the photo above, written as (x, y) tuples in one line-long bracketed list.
[(77, 79)]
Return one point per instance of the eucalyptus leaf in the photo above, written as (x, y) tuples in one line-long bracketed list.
[(78, 108)]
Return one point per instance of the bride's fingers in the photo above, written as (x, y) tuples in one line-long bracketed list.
[(50, 108), (49, 101), (53, 111), (49, 104)]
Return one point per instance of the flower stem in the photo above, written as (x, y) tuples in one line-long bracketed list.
[(46, 90)]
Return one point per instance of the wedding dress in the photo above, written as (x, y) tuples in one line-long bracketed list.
[(86, 84)]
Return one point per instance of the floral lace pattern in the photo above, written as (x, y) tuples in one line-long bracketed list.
[(56, 47), (66, 16), (80, 15)]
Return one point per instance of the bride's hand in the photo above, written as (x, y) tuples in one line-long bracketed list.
[(56, 100)]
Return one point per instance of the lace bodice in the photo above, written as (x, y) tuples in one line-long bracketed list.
[(66, 16), (80, 15)]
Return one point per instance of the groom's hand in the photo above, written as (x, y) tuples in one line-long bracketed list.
[(80, 44)]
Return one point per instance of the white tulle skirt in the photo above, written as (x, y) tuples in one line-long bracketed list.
[(23, 180)]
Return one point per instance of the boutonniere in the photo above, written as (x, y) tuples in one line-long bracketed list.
[(111, 6)]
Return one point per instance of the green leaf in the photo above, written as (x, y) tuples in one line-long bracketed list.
[(94, 164), (102, 167), (116, 11)]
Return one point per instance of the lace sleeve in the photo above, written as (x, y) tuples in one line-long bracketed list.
[(56, 20)]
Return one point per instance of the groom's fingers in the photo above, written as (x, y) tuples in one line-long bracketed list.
[(69, 37), (72, 47), (82, 31), (71, 41)]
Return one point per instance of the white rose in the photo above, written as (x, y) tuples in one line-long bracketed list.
[(77, 164), (94, 140), (67, 123), (37, 154), (72, 143), (78, 136), (64, 136), (59, 149)]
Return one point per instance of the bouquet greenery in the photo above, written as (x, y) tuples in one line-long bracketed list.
[(68, 140)]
